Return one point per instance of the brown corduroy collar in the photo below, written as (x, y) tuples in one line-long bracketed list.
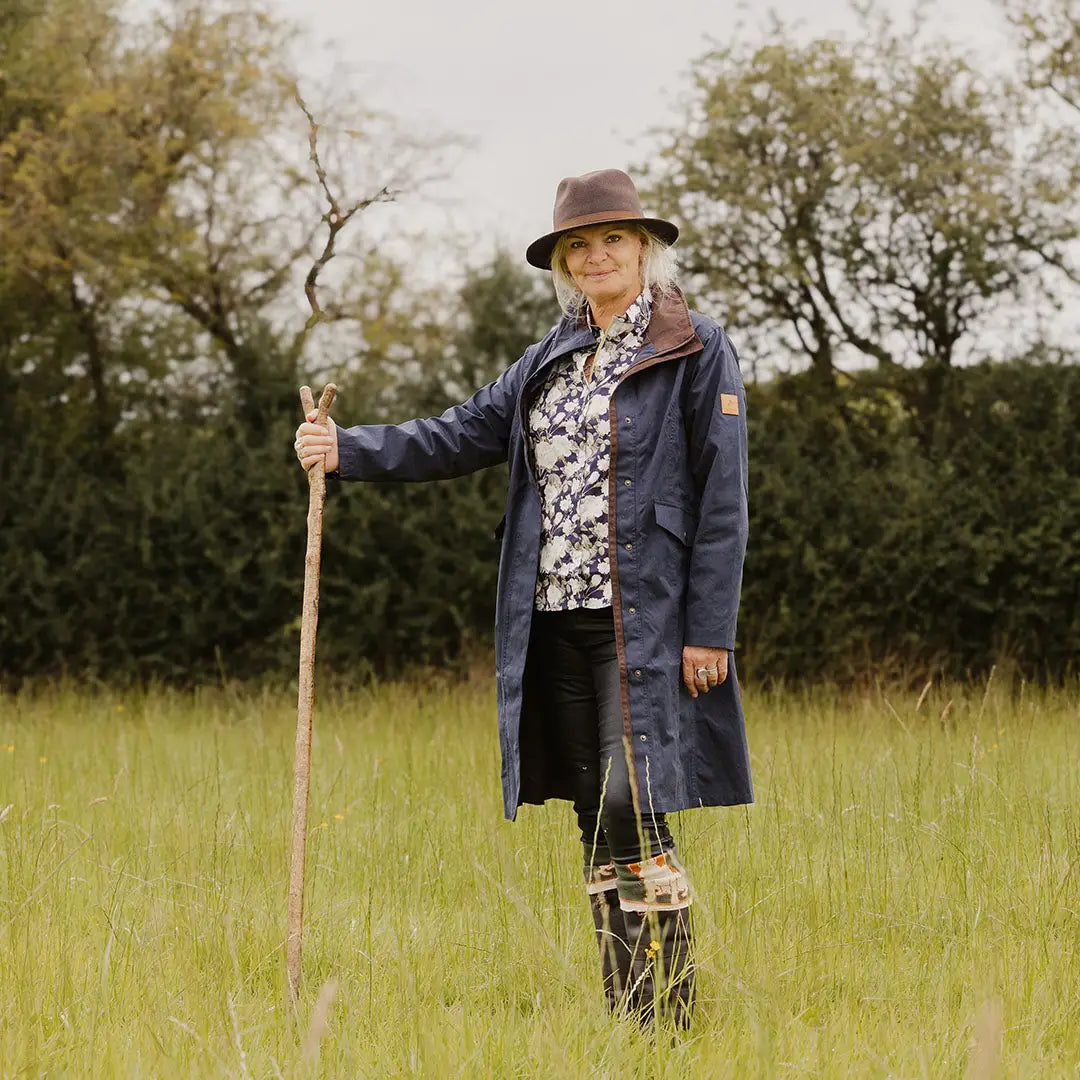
[(670, 327), (670, 330)]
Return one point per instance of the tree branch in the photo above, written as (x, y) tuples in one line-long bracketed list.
[(336, 219)]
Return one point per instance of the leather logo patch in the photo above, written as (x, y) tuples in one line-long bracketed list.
[(729, 404)]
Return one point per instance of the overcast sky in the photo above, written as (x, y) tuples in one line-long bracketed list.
[(546, 90)]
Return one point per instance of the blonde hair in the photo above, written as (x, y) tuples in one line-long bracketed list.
[(658, 269)]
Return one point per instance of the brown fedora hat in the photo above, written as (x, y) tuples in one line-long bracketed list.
[(593, 199)]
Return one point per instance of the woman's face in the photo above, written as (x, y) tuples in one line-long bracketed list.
[(605, 263)]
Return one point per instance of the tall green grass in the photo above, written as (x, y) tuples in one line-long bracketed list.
[(901, 901)]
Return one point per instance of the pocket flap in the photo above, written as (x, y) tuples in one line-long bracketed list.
[(677, 520)]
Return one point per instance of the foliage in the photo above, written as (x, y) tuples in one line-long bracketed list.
[(187, 562), (869, 546), (1049, 32), (871, 550), (867, 201), (129, 193), (157, 217), (153, 217)]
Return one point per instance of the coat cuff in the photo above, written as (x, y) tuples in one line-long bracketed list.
[(350, 458), (708, 628)]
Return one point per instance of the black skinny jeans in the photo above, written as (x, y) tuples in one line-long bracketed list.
[(581, 677)]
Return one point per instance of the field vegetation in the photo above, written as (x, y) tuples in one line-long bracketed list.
[(901, 900)]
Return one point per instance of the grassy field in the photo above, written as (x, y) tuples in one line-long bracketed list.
[(901, 901)]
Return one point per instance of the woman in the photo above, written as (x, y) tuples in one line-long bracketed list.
[(621, 565)]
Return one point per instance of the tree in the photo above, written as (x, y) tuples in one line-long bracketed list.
[(157, 217), (859, 201), (1049, 33), (156, 173)]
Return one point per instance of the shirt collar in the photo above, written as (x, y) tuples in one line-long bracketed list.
[(635, 319)]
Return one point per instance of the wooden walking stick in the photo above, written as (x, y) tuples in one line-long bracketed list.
[(305, 706)]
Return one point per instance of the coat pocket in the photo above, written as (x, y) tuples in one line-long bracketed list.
[(676, 520)]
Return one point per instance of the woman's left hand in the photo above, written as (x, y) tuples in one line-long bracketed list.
[(702, 668)]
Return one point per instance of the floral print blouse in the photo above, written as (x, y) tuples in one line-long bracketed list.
[(571, 449)]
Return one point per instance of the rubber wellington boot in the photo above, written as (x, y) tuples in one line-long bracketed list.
[(614, 947), (655, 898), (661, 964)]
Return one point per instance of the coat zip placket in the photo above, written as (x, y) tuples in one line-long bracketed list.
[(676, 353)]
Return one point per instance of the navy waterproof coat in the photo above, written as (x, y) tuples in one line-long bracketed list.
[(677, 518)]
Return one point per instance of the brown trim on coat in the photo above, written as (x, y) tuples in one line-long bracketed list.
[(671, 331), (670, 325)]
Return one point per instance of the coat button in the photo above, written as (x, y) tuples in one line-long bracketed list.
[(637, 673), (627, 420), (644, 738), (628, 482), (632, 610), (629, 547)]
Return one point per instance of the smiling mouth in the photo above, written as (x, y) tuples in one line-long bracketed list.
[(601, 273)]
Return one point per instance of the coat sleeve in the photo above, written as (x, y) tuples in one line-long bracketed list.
[(716, 430), (465, 438)]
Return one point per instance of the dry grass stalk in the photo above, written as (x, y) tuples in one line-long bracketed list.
[(320, 1021), (986, 1055), (922, 696)]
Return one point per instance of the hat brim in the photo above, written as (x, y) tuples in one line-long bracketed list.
[(538, 253)]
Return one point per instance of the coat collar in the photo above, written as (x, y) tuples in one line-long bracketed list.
[(669, 329)]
